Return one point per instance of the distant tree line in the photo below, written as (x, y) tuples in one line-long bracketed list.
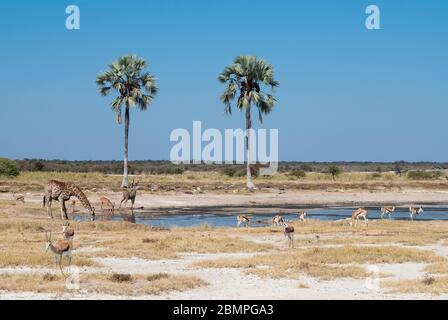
[(297, 169)]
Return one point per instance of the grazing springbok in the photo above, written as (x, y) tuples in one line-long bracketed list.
[(242, 219), (414, 211), (387, 210), (59, 249), (359, 213), (277, 221), (130, 194), (289, 232), (302, 216), (108, 204), (68, 232), (18, 197)]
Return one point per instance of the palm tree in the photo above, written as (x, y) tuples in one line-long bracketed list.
[(134, 87), (244, 78)]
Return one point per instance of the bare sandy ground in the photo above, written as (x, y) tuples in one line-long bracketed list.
[(306, 198)]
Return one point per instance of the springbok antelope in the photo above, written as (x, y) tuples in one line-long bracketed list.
[(289, 232), (359, 213), (18, 197), (277, 221), (73, 205), (302, 216), (61, 248), (415, 211), (68, 232), (130, 194), (108, 204), (242, 219), (387, 210)]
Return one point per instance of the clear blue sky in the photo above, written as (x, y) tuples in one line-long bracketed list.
[(346, 93)]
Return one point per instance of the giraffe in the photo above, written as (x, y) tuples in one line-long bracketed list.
[(63, 191)]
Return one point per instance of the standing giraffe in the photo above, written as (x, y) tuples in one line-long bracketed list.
[(63, 191)]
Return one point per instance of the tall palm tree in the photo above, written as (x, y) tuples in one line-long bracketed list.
[(134, 86), (244, 78)]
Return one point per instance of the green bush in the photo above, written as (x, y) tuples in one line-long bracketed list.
[(176, 169), (229, 171), (300, 174), (243, 172), (424, 175), (334, 170), (9, 168)]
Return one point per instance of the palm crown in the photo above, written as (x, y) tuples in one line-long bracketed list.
[(126, 77), (245, 77)]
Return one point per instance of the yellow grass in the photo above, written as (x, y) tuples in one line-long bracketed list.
[(99, 283), (220, 183), (323, 263), (439, 286)]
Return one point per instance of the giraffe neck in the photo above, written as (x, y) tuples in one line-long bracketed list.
[(82, 198)]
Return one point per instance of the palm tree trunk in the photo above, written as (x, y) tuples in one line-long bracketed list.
[(125, 182), (250, 185)]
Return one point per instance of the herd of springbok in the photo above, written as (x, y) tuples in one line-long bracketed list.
[(62, 192), (360, 213)]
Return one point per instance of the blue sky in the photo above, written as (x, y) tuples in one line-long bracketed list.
[(346, 93)]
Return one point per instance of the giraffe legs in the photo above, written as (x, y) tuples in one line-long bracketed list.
[(64, 215), (48, 204)]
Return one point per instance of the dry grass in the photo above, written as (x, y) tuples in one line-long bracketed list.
[(424, 285), (437, 268), (322, 263), (23, 241), (168, 244), (219, 183), (137, 285), (24, 245)]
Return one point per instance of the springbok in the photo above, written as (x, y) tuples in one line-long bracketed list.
[(359, 213), (108, 204), (415, 211), (61, 248), (73, 206), (130, 194), (289, 232), (277, 221), (387, 210), (302, 216), (242, 219), (18, 197), (68, 232)]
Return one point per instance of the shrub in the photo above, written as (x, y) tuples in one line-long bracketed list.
[(157, 276), (300, 174), (428, 280), (334, 170), (8, 168), (121, 277), (242, 172), (229, 171), (176, 169)]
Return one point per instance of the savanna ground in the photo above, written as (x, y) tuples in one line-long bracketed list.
[(111, 259)]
